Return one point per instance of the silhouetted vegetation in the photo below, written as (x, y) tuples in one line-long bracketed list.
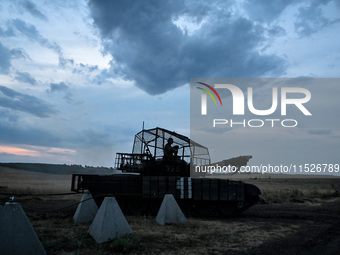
[(54, 168)]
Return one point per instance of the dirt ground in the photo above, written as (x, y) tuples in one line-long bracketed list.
[(268, 228), (296, 216)]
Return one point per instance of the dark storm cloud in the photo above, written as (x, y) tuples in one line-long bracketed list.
[(32, 8), (12, 99), (61, 87), (276, 31), (19, 54), (25, 77), (267, 11), (6, 33), (58, 87), (14, 134), (94, 138), (149, 48), (319, 131), (5, 59), (7, 116), (31, 32), (311, 19), (84, 68)]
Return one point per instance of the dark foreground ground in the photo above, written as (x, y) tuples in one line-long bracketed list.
[(299, 216), (299, 227)]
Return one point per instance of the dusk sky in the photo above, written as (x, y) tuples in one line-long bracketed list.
[(78, 78)]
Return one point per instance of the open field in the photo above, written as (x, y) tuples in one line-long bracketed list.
[(297, 216), (22, 182), (294, 189)]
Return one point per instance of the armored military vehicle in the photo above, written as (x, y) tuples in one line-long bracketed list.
[(140, 179)]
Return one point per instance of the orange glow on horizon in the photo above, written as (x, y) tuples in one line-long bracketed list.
[(18, 151), (35, 151)]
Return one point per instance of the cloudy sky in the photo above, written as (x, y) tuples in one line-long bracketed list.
[(78, 78)]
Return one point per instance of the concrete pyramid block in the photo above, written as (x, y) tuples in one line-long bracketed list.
[(170, 212), (16, 232), (86, 210), (109, 222)]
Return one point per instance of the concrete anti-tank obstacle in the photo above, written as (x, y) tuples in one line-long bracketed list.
[(86, 210), (109, 222), (16, 232), (170, 212)]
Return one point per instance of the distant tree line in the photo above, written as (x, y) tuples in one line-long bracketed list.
[(54, 168)]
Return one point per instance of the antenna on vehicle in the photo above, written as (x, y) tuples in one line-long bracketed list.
[(141, 148)]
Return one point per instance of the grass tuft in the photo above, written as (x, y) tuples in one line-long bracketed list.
[(125, 244)]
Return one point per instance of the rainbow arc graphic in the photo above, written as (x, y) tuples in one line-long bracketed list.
[(204, 97), (209, 93)]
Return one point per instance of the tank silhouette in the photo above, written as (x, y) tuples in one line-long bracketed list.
[(141, 179)]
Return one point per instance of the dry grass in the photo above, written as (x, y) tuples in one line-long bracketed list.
[(59, 234), (197, 236), (27, 182), (284, 188), (292, 189)]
